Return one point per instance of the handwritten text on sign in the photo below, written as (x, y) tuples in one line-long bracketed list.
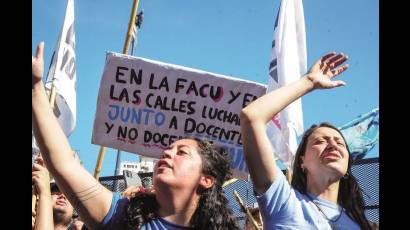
[(143, 106)]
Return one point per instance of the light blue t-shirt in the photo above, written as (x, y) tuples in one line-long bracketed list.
[(115, 217), (283, 207)]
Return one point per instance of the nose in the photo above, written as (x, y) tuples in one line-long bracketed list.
[(332, 144), (61, 196), (168, 153)]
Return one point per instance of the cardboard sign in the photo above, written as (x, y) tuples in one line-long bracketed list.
[(144, 106)]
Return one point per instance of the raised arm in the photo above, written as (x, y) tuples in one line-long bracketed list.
[(44, 212), (254, 117), (89, 197)]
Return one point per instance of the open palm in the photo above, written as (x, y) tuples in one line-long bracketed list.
[(326, 68)]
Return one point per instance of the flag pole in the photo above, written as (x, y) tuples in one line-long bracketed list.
[(130, 27), (228, 182), (245, 209), (53, 94), (124, 51), (289, 175)]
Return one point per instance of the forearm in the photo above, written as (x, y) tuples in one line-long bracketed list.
[(258, 150), (52, 141), (44, 218), (259, 156), (266, 107)]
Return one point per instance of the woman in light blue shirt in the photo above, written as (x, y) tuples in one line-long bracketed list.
[(323, 194)]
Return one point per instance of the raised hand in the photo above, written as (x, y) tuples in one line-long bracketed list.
[(326, 68), (37, 63), (41, 179), (42, 217)]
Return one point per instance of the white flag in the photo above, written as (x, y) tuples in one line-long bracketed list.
[(287, 65), (62, 73)]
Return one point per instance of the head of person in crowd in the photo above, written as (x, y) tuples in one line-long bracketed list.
[(194, 167), (315, 157), (62, 209)]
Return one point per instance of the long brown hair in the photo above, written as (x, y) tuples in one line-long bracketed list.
[(212, 213), (350, 194)]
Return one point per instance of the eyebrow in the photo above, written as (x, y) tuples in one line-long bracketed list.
[(313, 138), (179, 146), (326, 137)]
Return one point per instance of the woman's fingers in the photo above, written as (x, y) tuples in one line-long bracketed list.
[(333, 62), (321, 62), (327, 56), (340, 70), (40, 50), (338, 60), (326, 60)]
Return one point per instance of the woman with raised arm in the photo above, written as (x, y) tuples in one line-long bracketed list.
[(323, 193), (187, 180)]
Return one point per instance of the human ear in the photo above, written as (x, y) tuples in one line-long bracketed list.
[(206, 181)]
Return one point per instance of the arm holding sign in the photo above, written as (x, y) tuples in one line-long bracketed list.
[(89, 197)]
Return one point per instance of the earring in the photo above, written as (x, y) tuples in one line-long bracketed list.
[(303, 168)]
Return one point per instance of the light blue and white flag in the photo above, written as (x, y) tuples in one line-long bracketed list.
[(287, 65), (362, 133)]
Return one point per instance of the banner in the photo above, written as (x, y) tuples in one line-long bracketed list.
[(62, 73), (362, 133), (144, 106), (287, 65)]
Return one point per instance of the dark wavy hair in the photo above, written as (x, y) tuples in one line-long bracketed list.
[(350, 194), (212, 213)]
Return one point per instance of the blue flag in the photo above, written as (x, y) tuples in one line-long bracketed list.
[(362, 133)]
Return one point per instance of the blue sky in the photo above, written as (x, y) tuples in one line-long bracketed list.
[(230, 37)]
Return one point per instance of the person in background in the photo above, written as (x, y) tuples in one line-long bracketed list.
[(53, 208), (62, 209)]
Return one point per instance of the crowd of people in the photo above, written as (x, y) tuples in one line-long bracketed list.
[(187, 188)]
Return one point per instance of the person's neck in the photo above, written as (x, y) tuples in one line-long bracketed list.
[(177, 206), (325, 187)]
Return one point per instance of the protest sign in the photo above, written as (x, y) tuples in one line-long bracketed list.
[(144, 105)]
